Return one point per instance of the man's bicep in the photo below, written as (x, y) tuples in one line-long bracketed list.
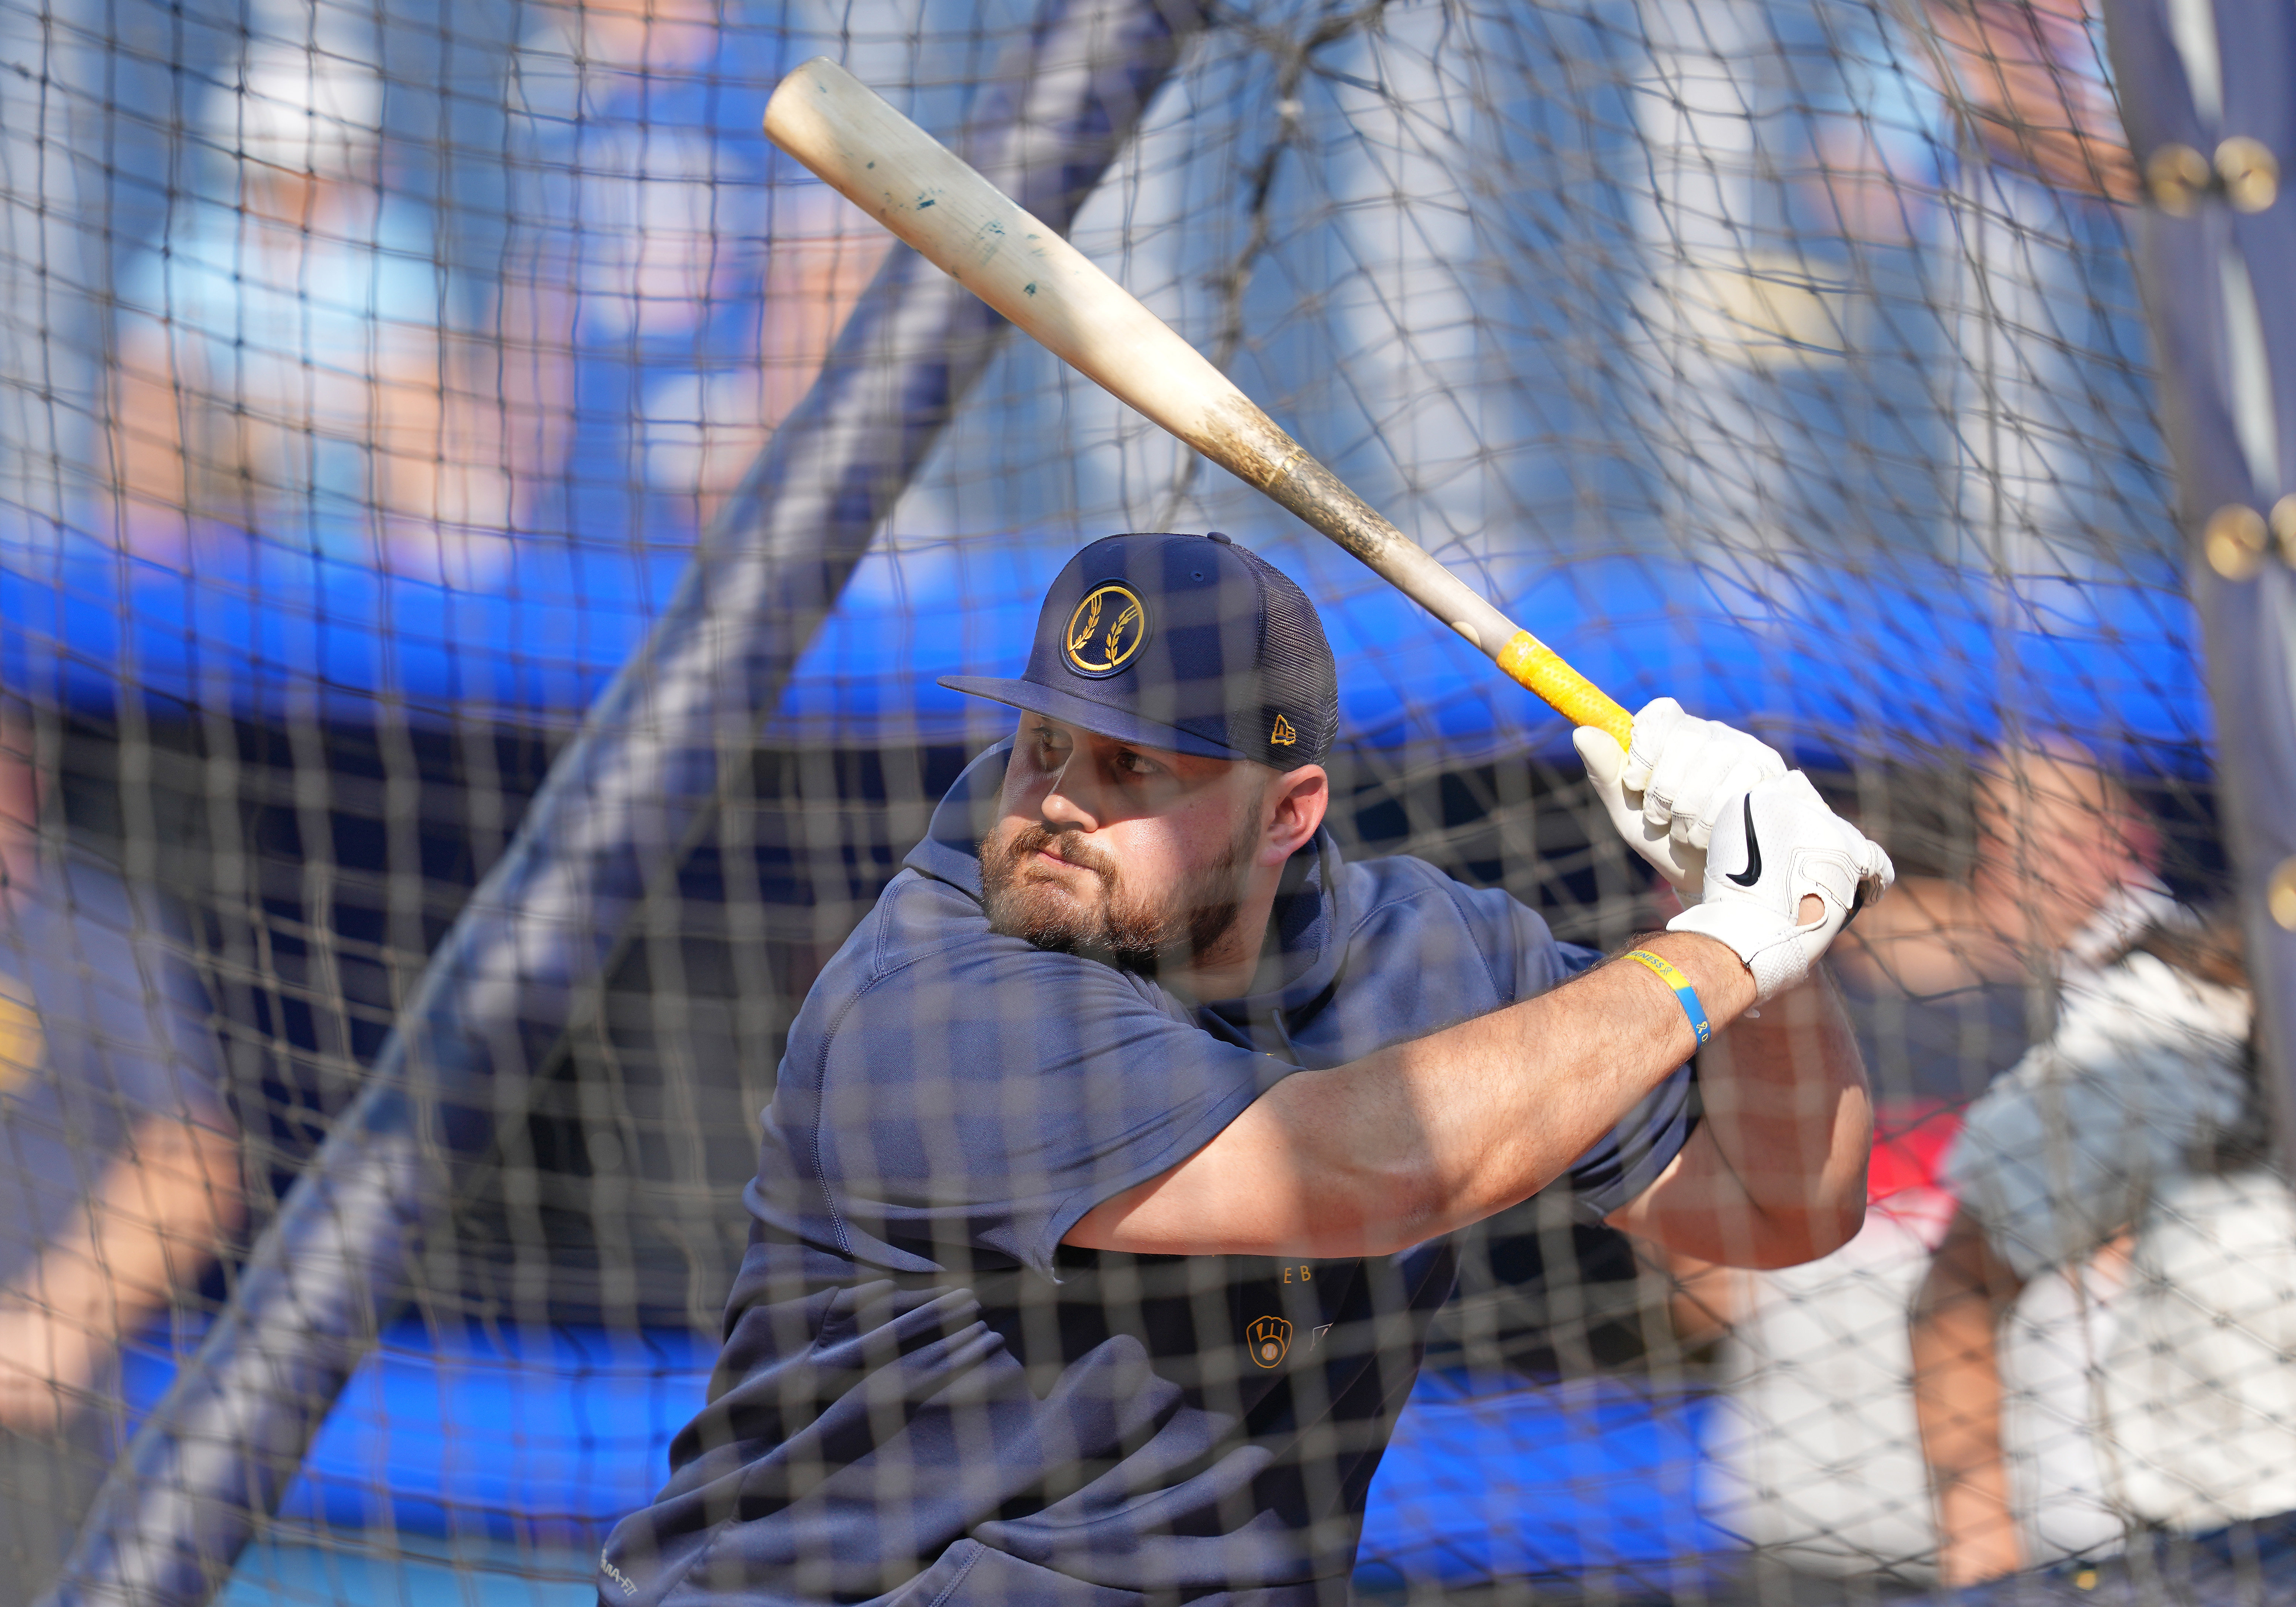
[(1683, 1208), (1227, 1199), (1629, 1160), (1701, 1206), (1282, 1178)]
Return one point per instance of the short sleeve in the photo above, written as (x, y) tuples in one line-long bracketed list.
[(1629, 1157), (985, 1095), (120, 983), (101, 1035)]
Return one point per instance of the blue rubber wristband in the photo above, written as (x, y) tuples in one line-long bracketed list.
[(1671, 975)]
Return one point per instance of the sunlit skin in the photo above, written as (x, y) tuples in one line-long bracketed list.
[(2055, 839), (189, 443), (158, 1214), (1956, 1321), (1428, 1137), (2026, 73), (1163, 818)]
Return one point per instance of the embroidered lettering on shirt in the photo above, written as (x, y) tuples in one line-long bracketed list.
[(629, 1585)]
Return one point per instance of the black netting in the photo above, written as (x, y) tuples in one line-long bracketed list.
[(376, 378)]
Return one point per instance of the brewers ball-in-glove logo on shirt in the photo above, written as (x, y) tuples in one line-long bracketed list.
[(1267, 1339), (1105, 631)]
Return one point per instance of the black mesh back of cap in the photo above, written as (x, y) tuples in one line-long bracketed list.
[(1298, 678)]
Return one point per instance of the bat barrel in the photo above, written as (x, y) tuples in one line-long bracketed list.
[(1323, 500), (927, 196)]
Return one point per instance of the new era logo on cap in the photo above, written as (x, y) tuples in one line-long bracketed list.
[(1186, 642)]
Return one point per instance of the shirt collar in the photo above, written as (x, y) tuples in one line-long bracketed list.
[(1305, 927), (951, 849)]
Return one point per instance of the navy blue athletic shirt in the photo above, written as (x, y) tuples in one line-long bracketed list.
[(923, 1395)]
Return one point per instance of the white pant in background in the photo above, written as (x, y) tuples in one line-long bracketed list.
[(1813, 1454)]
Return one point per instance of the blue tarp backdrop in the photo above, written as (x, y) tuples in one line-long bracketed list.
[(1852, 662), (550, 1436)]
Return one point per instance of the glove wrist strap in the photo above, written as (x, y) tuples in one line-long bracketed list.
[(1772, 949)]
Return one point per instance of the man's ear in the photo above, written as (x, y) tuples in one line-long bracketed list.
[(1295, 806)]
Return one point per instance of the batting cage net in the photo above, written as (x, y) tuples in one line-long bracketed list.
[(483, 534)]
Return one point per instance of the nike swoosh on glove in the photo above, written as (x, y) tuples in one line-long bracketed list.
[(1778, 844), (1669, 789)]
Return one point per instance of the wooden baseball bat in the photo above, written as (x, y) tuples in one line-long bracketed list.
[(920, 191)]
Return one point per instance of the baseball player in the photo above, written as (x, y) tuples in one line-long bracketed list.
[(1105, 1192)]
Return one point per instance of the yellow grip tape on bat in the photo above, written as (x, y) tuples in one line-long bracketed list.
[(1537, 666)]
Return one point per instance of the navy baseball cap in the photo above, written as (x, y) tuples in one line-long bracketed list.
[(1190, 644)]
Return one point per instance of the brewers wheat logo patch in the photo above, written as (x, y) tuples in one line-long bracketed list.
[(1106, 630), (1267, 1339)]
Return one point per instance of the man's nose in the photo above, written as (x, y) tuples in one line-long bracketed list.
[(1059, 805)]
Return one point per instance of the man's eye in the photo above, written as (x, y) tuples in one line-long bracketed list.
[(1132, 764)]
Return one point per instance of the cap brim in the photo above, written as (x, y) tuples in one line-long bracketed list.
[(1071, 710)]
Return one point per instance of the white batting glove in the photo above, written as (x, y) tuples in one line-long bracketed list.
[(1775, 845), (1670, 787)]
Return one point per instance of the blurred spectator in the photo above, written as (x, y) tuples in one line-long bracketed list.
[(2057, 874), (2029, 78), (1718, 301), (118, 1165), (2027, 81), (655, 229), (281, 365), (86, 135), (2038, 874), (2143, 1113)]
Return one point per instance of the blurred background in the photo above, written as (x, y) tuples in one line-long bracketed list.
[(372, 379)]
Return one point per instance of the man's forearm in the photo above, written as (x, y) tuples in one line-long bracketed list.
[(1507, 1103), (1428, 1137), (160, 1215)]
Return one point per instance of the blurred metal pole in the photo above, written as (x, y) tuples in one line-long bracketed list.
[(617, 814), (2208, 93)]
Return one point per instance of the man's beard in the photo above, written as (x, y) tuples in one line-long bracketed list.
[(1126, 928)]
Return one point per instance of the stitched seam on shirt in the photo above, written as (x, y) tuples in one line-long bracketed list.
[(821, 1083), (950, 1588), (1449, 892), (1504, 991), (879, 972), (1179, 1146), (884, 968), (877, 955)]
